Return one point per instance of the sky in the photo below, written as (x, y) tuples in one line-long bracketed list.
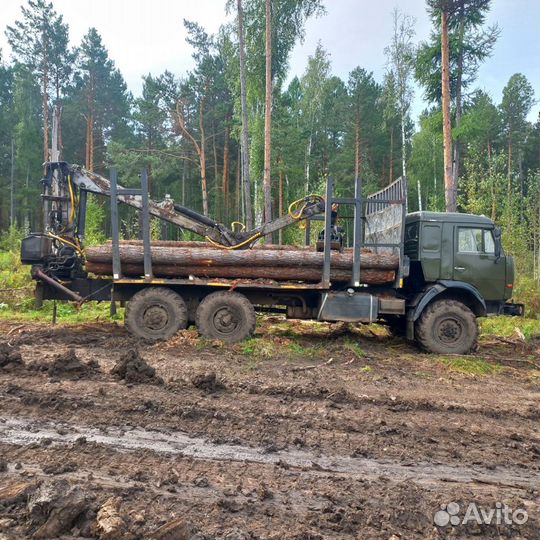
[(147, 36)]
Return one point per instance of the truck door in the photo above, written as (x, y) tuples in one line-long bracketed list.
[(475, 261)]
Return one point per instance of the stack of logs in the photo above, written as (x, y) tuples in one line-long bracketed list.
[(202, 260)]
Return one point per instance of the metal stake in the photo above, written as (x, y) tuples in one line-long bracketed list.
[(327, 231), (146, 226), (115, 233), (357, 239)]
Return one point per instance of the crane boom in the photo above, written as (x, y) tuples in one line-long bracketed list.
[(61, 178)]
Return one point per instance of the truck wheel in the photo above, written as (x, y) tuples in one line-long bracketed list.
[(228, 316), (447, 327), (156, 313)]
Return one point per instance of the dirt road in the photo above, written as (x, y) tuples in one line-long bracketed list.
[(312, 431)]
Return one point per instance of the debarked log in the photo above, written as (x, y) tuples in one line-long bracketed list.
[(368, 276), (199, 244), (210, 257)]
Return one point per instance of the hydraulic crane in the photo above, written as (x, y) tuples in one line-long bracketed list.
[(64, 194)]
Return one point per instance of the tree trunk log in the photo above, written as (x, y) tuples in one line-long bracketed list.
[(201, 244), (368, 276), (209, 257)]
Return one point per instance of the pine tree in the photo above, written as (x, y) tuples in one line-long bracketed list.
[(448, 64), (27, 137), (366, 118), (518, 98), (101, 96), (7, 148), (40, 41), (267, 186)]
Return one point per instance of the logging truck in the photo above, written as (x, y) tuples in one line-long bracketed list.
[(427, 275)]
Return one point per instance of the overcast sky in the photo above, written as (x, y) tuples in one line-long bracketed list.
[(147, 36)]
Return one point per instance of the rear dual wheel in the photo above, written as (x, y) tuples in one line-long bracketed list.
[(227, 316), (156, 313)]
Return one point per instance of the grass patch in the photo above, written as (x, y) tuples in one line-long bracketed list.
[(259, 347), (12, 273), (202, 343), (284, 329), (65, 312), (526, 290), (469, 366), (297, 350), (504, 326), (354, 348)]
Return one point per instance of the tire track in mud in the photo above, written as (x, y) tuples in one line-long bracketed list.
[(380, 429), (26, 432)]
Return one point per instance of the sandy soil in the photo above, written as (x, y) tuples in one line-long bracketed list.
[(299, 435)]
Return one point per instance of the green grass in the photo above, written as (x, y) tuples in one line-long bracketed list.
[(65, 312), (504, 326), (258, 347), (12, 273), (469, 366), (526, 291), (283, 329), (355, 348), (298, 349)]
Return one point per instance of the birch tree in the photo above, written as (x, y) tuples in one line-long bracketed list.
[(245, 126), (400, 56)]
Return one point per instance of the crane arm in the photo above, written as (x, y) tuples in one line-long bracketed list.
[(60, 174)]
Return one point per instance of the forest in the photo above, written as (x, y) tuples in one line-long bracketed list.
[(239, 137)]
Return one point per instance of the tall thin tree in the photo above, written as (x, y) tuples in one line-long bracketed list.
[(267, 186), (400, 55), (245, 127), (450, 188)]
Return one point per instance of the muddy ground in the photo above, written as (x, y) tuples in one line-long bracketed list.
[(308, 431)]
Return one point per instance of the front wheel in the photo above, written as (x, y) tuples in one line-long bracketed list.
[(228, 316), (156, 313), (447, 327)]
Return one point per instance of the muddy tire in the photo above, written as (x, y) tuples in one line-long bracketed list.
[(156, 313), (228, 316), (447, 327)]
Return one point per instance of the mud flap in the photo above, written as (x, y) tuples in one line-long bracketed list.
[(410, 325)]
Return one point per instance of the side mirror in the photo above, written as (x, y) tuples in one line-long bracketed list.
[(497, 236)]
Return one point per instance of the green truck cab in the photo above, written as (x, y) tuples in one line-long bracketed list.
[(458, 272)]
